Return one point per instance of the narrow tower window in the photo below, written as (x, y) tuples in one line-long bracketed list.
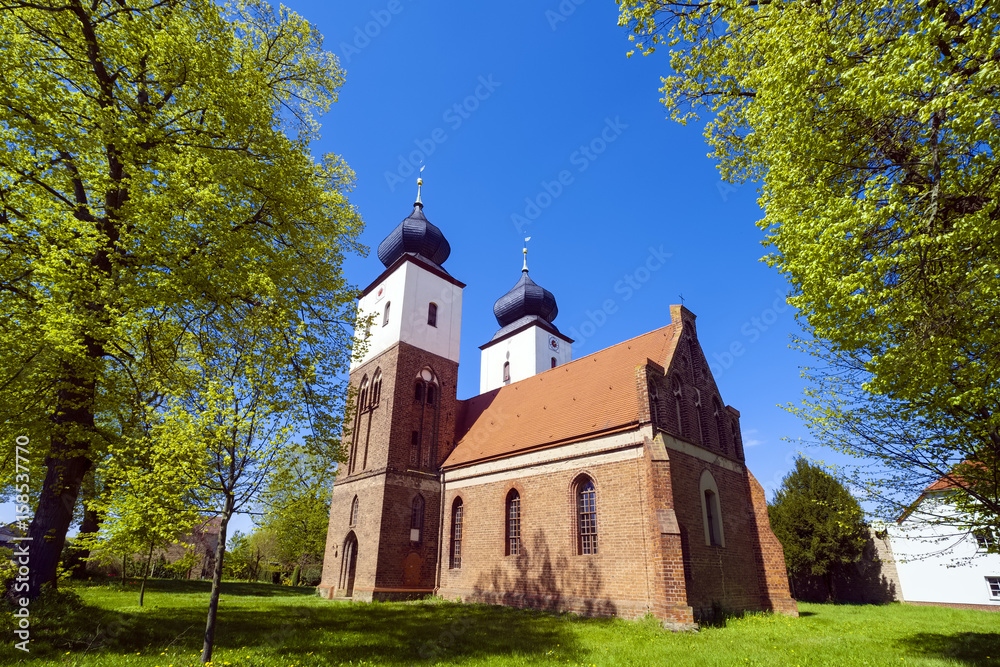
[(553, 363), (712, 517), (506, 371), (376, 390), (354, 512), (432, 314), (417, 519), (385, 318), (678, 405)]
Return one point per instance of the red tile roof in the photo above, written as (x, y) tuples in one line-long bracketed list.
[(589, 396)]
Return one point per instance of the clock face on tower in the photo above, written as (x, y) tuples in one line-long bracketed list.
[(553, 343)]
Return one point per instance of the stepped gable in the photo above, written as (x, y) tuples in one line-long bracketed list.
[(589, 396)]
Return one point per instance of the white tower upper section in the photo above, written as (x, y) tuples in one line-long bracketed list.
[(415, 300), (413, 303), (527, 342), (521, 355)]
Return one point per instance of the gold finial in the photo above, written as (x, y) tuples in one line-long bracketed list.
[(420, 182), (525, 267)]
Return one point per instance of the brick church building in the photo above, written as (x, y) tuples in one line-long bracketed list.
[(613, 484)]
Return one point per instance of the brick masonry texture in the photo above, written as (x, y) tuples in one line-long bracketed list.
[(652, 554)]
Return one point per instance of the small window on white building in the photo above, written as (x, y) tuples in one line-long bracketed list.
[(506, 371), (385, 317), (553, 363), (432, 314), (985, 540), (994, 584)]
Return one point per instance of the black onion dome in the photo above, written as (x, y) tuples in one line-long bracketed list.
[(526, 299), (415, 236)]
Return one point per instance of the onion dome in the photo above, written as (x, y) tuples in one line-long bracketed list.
[(525, 299), (415, 235)]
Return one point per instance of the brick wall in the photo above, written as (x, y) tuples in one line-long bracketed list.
[(385, 476)]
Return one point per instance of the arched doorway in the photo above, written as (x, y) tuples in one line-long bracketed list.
[(350, 564)]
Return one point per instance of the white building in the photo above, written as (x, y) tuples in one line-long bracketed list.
[(939, 563)]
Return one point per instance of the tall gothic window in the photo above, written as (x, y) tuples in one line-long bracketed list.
[(699, 413), (456, 533), (712, 517), (513, 528), (417, 519), (354, 512), (432, 314), (376, 390), (586, 511), (363, 395)]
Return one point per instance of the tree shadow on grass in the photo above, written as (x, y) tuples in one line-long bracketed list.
[(195, 586), (304, 631), (968, 648)]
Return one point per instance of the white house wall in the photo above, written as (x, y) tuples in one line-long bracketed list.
[(939, 563)]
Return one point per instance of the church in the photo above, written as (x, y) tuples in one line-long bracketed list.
[(610, 485)]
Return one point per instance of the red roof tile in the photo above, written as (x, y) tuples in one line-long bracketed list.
[(591, 395)]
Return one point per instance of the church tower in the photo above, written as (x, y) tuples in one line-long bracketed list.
[(385, 511), (527, 342)]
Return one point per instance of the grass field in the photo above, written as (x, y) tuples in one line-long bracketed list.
[(275, 626)]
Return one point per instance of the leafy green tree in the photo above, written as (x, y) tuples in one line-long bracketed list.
[(155, 171), (873, 128), (818, 522)]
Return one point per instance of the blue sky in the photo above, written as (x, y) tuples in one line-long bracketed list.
[(501, 99)]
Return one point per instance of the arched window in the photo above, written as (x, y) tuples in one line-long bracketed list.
[(430, 394), (513, 528), (711, 512), (376, 390), (506, 371), (720, 425), (432, 314), (418, 391), (678, 404), (553, 363), (586, 512), (353, 521), (456, 534), (385, 317), (417, 519), (363, 395)]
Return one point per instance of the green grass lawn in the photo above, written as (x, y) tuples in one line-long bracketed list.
[(274, 626)]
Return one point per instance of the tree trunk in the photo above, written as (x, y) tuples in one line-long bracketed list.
[(124, 557), (213, 605), (145, 574), (77, 561), (66, 465)]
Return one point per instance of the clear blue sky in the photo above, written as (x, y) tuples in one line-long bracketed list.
[(500, 98)]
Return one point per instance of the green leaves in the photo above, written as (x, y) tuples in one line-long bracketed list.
[(872, 127)]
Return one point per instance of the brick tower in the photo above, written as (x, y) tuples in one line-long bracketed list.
[(382, 542)]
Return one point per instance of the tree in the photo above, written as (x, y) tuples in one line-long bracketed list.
[(872, 126), (155, 172), (818, 522), (251, 380)]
